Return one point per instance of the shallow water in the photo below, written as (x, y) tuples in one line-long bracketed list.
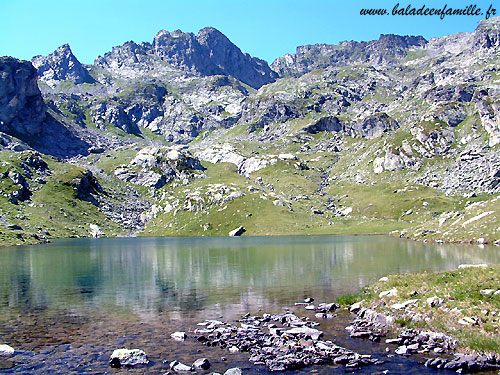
[(65, 306)]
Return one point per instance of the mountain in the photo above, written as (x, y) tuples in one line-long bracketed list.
[(188, 136), (387, 50), (61, 65), (208, 53)]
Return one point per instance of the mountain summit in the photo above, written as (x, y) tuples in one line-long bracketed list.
[(208, 53)]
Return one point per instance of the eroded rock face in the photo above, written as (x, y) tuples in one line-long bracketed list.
[(22, 109), (61, 65)]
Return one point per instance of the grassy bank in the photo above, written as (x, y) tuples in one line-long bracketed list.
[(463, 303)]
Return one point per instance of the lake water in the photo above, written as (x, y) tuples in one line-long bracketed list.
[(66, 305)]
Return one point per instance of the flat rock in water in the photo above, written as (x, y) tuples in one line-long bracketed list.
[(179, 336), (127, 357), (311, 332), (237, 232)]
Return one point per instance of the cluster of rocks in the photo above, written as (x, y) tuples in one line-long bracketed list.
[(279, 342), (372, 325), (468, 363)]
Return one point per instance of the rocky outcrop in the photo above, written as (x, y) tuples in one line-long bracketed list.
[(374, 126), (154, 167), (490, 119), (208, 53), (61, 65), (22, 109)]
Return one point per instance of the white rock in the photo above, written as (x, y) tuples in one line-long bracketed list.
[(202, 363), (95, 231), (233, 371), (179, 336), (128, 357), (237, 232), (472, 266), (313, 333), (467, 321), (277, 202), (384, 279), (402, 350), (6, 350), (389, 293), (287, 157), (355, 307), (179, 367), (434, 301), (487, 292), (405, 304)]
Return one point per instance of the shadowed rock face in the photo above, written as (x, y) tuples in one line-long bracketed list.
[(22, 109), (61, 65), (208, 53)]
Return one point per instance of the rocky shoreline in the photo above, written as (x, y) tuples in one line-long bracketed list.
[(286, 341)]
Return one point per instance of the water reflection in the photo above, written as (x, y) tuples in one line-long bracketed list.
[(150, 275)]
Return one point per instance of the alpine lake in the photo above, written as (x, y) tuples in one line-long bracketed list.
[(65, 306)]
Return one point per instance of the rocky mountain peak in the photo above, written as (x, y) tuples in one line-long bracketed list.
[(61, 65), (208, 53)]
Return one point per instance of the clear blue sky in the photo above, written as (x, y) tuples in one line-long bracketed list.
[(263, 28)]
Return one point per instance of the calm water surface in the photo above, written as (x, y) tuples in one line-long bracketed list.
[(65, 306)]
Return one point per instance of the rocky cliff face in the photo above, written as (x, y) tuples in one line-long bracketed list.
[(22, 109), (61, 65)]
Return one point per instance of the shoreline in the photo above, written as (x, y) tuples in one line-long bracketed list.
[(432, 241), (463, 304)]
